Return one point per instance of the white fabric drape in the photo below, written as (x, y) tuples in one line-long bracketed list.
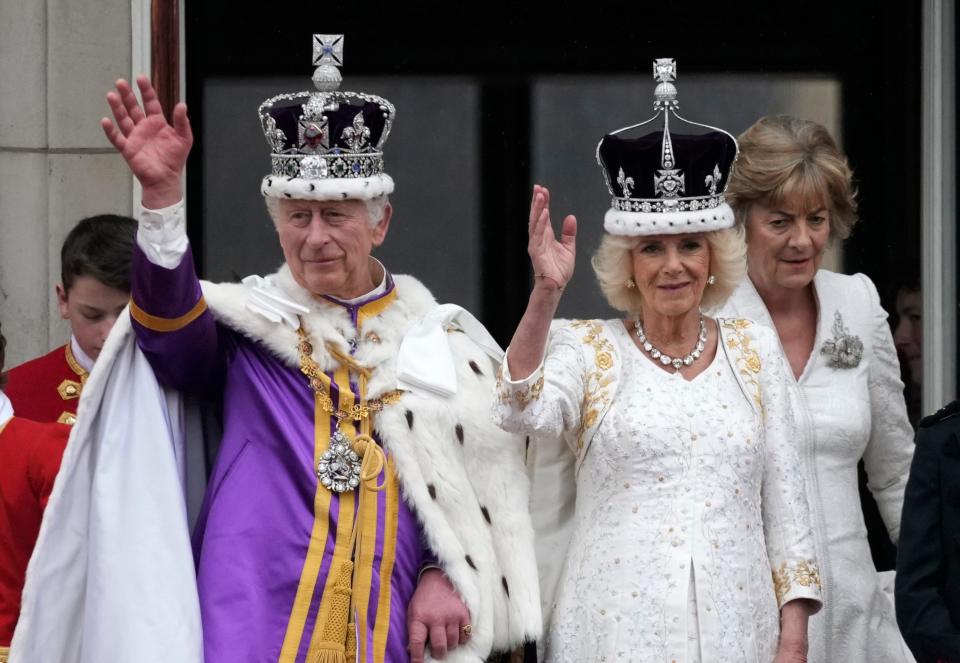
[(112, 575)]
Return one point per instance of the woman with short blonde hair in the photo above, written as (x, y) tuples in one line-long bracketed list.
[(613, 265), (671, 522)]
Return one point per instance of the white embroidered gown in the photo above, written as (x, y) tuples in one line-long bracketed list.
[(849, 414), (688, 505)]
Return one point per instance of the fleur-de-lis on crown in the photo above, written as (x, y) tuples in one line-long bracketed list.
[(357, 135), (713, 181), (626, 183)]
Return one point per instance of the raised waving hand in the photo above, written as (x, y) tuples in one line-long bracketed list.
[(553, 260), (155, 150)]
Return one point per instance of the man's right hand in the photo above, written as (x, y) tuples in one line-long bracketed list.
[(155, 150)]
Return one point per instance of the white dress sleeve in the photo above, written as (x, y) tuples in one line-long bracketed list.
[(546, 403), (546, 407), (785, 509), (889, 450)]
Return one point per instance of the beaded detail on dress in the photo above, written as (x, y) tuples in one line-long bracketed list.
[(683, 480)]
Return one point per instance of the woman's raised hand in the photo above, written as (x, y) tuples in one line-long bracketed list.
[(553, 260), (155, 150)]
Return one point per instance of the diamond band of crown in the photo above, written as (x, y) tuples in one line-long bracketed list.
[(667, 205), (335, 165)]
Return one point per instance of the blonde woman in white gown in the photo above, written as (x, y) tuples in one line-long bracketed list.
[(672, 522), (791, 190)]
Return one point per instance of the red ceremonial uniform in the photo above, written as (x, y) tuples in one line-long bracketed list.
[(30, 455), (47, 388)]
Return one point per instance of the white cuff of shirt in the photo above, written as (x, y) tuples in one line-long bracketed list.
[(162, 235)]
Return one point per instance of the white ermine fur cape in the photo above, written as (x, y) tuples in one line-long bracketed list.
[(463, 476)]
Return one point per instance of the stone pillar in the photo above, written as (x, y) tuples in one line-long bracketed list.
[(939, 205), (57, 60)]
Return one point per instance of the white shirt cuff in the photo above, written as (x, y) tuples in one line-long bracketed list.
[(162, 235)]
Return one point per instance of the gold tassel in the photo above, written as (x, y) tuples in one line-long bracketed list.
[(336, 630), (351, 641), (330, 655), (370, 467)]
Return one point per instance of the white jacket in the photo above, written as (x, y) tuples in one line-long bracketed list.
[(849, 414)]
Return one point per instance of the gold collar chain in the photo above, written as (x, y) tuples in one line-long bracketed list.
[(320, 384)]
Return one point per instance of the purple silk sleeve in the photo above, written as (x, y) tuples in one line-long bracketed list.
[(185, 350)]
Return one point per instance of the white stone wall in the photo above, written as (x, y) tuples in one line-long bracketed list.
[(57, 60)]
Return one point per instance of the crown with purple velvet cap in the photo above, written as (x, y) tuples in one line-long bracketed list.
[(663, 182), (328, 144)]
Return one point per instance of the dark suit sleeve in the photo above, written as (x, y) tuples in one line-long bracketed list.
[(921, 612)]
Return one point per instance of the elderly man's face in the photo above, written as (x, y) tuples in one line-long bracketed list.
[(327, 245)]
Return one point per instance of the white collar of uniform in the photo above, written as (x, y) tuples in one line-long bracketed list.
[(85, 362), (6, 409)]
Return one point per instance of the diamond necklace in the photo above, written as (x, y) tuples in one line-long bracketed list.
[(666, 360)]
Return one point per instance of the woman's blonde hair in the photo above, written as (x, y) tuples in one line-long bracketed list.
[(785, 158), (613, 265)]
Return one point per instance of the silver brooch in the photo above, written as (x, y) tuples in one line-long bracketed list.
[(844, 349), (339, 466)]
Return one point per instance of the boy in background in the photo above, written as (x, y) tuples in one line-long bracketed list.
[(94, 289)]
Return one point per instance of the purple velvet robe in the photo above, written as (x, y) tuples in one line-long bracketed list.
[(259, 594)]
